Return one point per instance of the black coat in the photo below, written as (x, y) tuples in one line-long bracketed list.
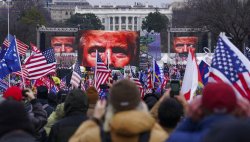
[(17, 136), (66, 127)]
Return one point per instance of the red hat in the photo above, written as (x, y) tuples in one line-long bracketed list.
[(13, 92), (219, 97)]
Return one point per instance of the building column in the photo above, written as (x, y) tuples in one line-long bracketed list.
[(113, 23), (139, 23), (120, 23), (126, 22), (106, 23), (133, 23)]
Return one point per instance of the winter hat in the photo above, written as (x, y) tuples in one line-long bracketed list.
[(124, 95), (219, 98), (13, 117), (76, 100), (92, 95), (13, 92), (42, 92)]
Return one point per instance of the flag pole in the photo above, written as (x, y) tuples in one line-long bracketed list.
[(19, 63), (8, 2), (96, 68), (153, 72)]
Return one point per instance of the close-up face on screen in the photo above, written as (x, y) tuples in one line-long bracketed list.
[(63, 44), (184, 44), (116, 48)]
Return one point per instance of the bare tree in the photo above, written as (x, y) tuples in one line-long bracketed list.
[(229, 16)]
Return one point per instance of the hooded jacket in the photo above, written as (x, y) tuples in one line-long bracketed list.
[(125, 126)]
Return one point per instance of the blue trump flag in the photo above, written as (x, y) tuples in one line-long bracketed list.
[(5, 45), (4, 69), (204, 71), (157, 73), (11, 60)]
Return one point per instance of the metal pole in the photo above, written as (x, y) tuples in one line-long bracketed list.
[(8, 1)]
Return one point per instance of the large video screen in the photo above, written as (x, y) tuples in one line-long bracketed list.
[(64, 48), (116, 48), (63, 44), (184, 44)]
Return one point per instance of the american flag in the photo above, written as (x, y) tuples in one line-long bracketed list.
[(25, 72), (165, 81), (3, 84), (102, 74), (41, 64), (231, 66), (149, 80), (63, 83), (22, 47), (138, 83), (76, 75), (34, 48)]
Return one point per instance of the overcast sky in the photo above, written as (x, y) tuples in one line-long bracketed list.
[(129, 2)]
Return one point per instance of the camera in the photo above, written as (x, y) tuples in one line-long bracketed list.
[(175, 88)]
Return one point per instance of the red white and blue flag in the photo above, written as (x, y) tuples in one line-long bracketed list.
[(102, 74), (41, 64), (231, 66), (76, 76), (138, 83)]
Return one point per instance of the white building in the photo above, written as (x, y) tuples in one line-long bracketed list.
[(123, 17), (61, 10)]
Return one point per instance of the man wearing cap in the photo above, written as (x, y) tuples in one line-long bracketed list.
[(218, 104), (126, 119)]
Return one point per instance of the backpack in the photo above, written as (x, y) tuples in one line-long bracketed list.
[(106, 137)]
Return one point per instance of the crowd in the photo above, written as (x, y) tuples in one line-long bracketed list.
[(217, 115), (174, 71)]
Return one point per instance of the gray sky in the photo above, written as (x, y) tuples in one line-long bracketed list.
[(129, 2)]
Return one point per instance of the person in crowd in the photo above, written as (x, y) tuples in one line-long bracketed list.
[(126, 120), (42, 97), (233, 131), (150, 99), (119, 47), (92, 98), (170, 113), (52, 100), (37, 115), (15, 125), (75, 109), (217, 104)]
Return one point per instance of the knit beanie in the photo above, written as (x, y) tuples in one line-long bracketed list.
[(76, 100), (14, 93), (219, 98), (92, 95), (124, 95)]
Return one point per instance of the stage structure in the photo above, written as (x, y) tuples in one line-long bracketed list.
[(42, 30)]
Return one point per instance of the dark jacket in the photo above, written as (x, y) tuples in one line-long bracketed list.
[(17, 136), (189, 131), (65, 128), (38, 117), (49, 109)]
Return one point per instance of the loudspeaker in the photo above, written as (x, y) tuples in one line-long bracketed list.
[(42, 41)]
